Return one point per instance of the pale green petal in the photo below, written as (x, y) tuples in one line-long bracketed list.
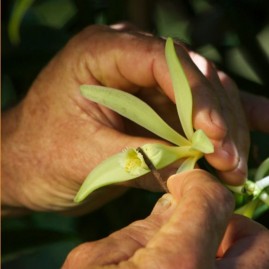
[(264, 197), (130, 164), (248, 209), (262, 170), (201, 142), (108, 172), (188, 164), (134, 109), (181, 87), (236, 189), (162, 155), (263, 183)]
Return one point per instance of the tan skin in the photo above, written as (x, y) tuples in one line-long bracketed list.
[(54, 137), (207, 237)]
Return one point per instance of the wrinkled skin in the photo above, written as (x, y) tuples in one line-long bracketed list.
[(207, 236), (54, 137)]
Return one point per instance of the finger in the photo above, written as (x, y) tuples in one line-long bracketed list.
[(192, 235), (257, 111), (239, 131), (121, 245), (245, 245), (230, 153)]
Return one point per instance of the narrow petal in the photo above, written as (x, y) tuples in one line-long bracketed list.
[(262, 170), (201, 142), (108, 172), (162, 155), (264, 197), (181, 87), (236, 189), (188, 164), (263, 183), (248, 209), (134, 109)]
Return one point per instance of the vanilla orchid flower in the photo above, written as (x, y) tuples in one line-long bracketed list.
[(256, 192), (132, 163)]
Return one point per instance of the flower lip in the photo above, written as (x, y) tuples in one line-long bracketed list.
[(133, 162)]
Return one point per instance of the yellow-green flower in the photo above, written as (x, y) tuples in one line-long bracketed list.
[(256, 192)]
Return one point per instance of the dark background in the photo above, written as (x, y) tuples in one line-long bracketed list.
[(232, 33)]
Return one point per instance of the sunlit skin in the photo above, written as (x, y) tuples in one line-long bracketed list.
[(54, 137), (173, 236)]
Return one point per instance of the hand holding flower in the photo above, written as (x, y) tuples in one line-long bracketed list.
[(55, 137)]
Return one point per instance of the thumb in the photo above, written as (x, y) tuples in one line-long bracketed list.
[(195, 229)]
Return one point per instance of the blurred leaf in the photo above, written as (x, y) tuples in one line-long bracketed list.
[(8, 94), (16, 242), (54, 13), (19, 10)]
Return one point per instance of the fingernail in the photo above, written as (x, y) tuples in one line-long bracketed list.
[(218, 121), (237, 176), (241, 172), (163, 203), (229, 148)]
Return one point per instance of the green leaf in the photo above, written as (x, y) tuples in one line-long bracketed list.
[(18, 12), (134, 109), (262, 170), (181, 87)]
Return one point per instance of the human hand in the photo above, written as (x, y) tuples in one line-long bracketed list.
[(184, 230), (54, 137), (257, 110)]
